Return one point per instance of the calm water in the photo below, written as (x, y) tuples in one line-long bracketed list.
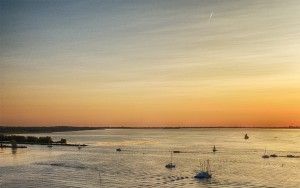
[(237, 163)]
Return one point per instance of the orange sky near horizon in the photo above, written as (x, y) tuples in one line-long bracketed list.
[(170, 63), (154, 107)]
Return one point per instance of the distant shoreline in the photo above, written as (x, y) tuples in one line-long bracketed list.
[(24, 130), (50, 129), (199, 127)]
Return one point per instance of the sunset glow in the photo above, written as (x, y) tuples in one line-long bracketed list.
[(150, 63)]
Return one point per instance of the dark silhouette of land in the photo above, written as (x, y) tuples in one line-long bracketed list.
[(7, 137), (18, 139)]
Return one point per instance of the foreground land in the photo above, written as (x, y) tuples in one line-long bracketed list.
[(14, 140)]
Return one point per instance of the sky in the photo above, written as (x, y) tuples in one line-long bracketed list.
[(150, 63)]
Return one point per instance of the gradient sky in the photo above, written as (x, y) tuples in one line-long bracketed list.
[(150, 63)]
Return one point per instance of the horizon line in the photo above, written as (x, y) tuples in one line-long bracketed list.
[(155, 127)]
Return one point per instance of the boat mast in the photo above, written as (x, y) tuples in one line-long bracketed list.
[(208, 166)]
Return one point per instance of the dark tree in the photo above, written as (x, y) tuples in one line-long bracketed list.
[(63, 141)]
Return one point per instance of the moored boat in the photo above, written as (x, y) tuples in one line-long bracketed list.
[(214, 149), (265, 156), (171, 164), (205, 172)]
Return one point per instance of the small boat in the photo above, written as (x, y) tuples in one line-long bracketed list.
[(49, 146), (290, 156), (118, 149), (265, 156), (274, 155), (205, 173), (171, 164), (176, 151), (246, 137), (214, 149)]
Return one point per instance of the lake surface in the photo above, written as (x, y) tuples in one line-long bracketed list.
[(145, 152)]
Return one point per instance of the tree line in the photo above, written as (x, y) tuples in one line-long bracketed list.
[(30, 139)]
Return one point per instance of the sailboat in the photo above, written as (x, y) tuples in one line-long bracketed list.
[(246, 137), (214, 149), (205, 172), (171, 164), (265, 156)]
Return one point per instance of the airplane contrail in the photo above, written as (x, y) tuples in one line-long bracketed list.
[(211, 15)]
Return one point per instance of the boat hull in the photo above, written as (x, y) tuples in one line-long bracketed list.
[(203, 175)]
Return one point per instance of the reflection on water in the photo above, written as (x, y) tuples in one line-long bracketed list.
[(14, 151), (141, 163)]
